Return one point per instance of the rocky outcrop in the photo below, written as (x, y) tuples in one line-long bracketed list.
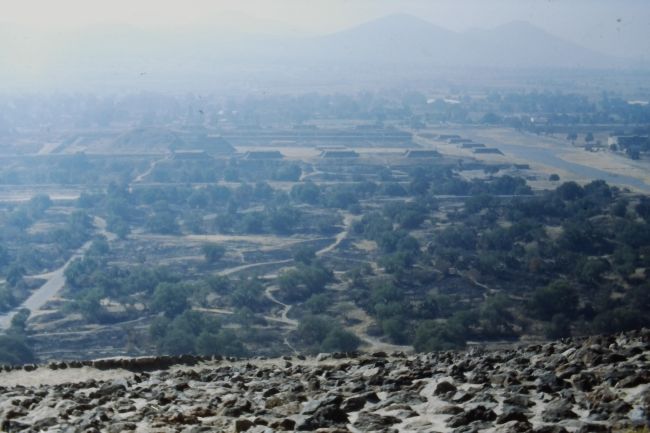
[(597, 384)]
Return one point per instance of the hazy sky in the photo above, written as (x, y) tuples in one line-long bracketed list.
[(613, 26)]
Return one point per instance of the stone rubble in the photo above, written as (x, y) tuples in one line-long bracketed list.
[(595, 384)]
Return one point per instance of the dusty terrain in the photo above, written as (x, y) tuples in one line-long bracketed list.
[(599, 384), (550, 154)]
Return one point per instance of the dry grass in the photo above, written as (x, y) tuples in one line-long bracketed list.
[(366, 245)]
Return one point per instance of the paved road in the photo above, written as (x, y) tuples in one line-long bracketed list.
[(55, 282)]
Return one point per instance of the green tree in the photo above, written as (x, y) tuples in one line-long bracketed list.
[(38, 204), (340, 340), (312, 330), (433, 335), (307, 192), (14, 350), (19, 321), (99, 247), (15, 274), (7, 298), (178, 341), (300, 283), (225, 343), (170, 299), (213, 252), (491, 118), (559, 297), (90, 305), (396, 330), (304, 255), (4, 256), (318, 303), (559, 327), (248, 293)]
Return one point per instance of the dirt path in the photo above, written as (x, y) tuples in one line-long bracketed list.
[(347, 224), (283, 318), (361, 331), (146, 173), (285, 308), (293, 324), (236, 269), (378, 345), (348, 219), (305, 175), (48, 148), (100, 224), (488, 291)]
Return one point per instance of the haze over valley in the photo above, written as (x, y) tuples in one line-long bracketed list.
[(421, 216)]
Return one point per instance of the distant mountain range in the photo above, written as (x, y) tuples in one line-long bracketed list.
[(410, 40), (396, 45)]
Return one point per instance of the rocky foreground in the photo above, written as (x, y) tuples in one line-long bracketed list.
[(598, 384)]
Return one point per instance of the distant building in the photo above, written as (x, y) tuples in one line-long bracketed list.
[(190, 154), (214, 144), (414, 153), (484, 150), (471, 145), (625, 141), (446, 137), (339, 154), (334, 147), (263, 154)]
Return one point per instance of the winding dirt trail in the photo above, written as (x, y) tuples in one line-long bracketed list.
[(283, 318), (268, 292), (376, 345), (146, 173), (348, 219), (293, 324), (241, 268), (285, 308)]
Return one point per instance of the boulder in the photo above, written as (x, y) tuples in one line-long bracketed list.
[(557, 411), (242, 424), (478, 413), (444, 388), (367, 422), (512, 413)]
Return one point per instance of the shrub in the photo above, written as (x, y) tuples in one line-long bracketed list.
[(434, 336), (14, 350), (340, 340)]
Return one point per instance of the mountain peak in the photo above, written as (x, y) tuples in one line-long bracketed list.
[(397, 23), (521, 27), (401, 19)]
